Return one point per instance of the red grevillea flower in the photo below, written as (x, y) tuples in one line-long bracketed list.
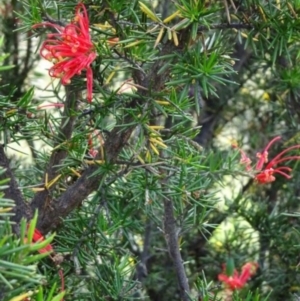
[(38, 237), (238, 281), (70, 49), (266, 174), (265, 169)]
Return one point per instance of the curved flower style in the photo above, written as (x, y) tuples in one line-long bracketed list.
[(265, 169), (71, 49), (238, 281), (266, 174)]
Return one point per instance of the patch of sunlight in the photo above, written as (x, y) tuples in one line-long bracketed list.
[(228, 190), (233, 131), (20, 150), (236, 232), (237, 125)]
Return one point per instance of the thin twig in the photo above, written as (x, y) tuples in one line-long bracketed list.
[(171, 236), (141, 268), (53, 21), (201, 27), (226, 26)]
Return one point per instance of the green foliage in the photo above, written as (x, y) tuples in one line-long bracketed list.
[(3, 56), (19, 272), (175, 85)]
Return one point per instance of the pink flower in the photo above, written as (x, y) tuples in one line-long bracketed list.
[(265, 169), (238, 281), (245, 160), (266, 174), (70, 49), (55, 105)]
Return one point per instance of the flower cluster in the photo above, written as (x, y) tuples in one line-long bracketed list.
[(236, 280), (265, 169), (70, 49)]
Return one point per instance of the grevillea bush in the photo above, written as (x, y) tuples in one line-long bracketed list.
[(149, 150)]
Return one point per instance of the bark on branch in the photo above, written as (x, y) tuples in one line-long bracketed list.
[(50, 215), (171, 236), (12, 192)]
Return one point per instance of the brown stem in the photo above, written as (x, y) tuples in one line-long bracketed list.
[(50, 217), (60, 152), (141, 269), (171, 236), (12, 192)]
